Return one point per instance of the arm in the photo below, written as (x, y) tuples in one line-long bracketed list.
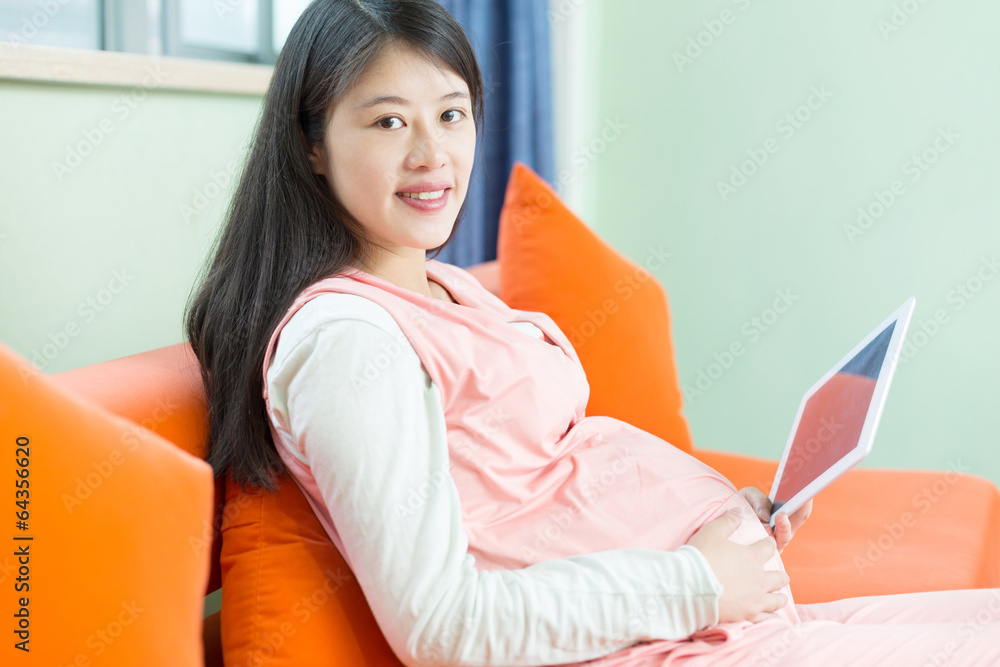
[(376, 443)]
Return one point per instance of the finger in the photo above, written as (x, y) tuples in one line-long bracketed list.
[(729, 522), (782, 531), (763, 510), (775, 580), (800, 515), (774, 601), (721, 527), (760, 503), (764, 549), (763, 616)]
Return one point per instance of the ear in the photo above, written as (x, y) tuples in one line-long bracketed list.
[(317, 158), (316, 155)]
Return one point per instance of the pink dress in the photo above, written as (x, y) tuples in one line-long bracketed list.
[(539, 480)]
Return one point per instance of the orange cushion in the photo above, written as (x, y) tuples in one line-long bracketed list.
[(112, 509), (614, 311), (288, 596)]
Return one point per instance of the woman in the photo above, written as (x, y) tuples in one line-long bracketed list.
[(440, 436)]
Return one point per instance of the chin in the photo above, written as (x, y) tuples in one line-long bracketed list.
[(438, 239), (425, 234), (431, 246)]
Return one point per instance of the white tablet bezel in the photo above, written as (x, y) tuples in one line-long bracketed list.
[(901, 316)]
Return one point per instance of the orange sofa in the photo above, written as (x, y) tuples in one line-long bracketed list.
[(872, 532), (132, 527)]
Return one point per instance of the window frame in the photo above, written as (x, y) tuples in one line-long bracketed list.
[(53, 64)]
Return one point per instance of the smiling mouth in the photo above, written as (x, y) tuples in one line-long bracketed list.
[(437, 194)]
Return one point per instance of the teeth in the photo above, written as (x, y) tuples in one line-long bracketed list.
[(424, 195)]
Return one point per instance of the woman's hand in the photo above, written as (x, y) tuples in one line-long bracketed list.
[(784, 525), (748, 590)]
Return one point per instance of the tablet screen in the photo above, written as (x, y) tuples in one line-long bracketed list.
[(833, 418)]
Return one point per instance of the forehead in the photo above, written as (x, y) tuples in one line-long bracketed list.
[(403, 71)]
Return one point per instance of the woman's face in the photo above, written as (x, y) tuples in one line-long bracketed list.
[(405, 127)]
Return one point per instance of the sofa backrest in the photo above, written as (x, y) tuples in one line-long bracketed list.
[(162, 391)]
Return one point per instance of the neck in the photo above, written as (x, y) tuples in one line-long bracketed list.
[(408, 271)]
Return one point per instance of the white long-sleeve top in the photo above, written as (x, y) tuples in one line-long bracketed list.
[(369, 452)]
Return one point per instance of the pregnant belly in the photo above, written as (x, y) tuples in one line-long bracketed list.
[(617, 487)]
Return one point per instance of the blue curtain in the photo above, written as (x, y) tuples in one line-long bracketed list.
[(511, 40)]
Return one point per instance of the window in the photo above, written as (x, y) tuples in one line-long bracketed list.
[(251, 31), (72, 23)]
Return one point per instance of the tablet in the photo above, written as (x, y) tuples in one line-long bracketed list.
[(835, 425)]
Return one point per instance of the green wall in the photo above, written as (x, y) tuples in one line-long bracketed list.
[(111, 197), (677, 129), (881, 94)]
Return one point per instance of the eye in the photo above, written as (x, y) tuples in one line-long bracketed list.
[(459, 113), (381, 123)]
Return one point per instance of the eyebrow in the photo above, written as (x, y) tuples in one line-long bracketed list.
[(392, 99)]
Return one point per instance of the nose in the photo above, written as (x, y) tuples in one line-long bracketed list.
[(426, 147)]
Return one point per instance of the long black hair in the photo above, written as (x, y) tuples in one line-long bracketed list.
[(285, 229)]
